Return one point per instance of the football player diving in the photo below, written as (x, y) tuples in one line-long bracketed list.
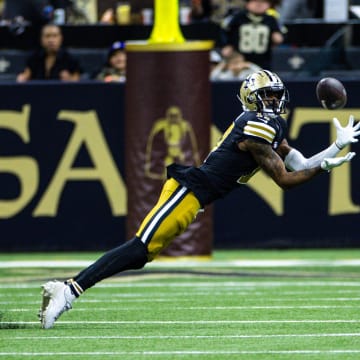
[(255, 140)]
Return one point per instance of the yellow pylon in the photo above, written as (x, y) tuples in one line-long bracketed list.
[(166, 27)]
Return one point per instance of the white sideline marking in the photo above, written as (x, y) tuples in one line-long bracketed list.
[(171, 322), (119, 337), (284, 307), (44, 264), (189, 352), (188, 263), (240, 284), (231, 284), (170, 299)]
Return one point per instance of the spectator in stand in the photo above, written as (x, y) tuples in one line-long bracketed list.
[(235, 67), (253, 33), (51, 61), (115, 66)]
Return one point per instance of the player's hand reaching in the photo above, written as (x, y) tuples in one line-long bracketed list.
[(330, 163), (346, 135)]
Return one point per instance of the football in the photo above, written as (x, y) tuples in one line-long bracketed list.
[(331, 93)]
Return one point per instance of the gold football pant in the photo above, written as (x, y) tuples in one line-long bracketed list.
[(175, 210)]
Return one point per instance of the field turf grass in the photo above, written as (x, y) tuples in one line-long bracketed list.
[(239, 305)]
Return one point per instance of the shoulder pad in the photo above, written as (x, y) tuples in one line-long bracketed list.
[(261, 130)]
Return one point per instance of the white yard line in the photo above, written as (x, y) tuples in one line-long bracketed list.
[(224, 285), (184, 264), (181, 353), (192, 322), (212, 308), (144, 337), (170, 299), (164, 337)]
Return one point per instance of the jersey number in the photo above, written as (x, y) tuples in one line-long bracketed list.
[(253, 38)]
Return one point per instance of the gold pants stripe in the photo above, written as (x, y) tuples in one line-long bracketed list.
[(175, 210)]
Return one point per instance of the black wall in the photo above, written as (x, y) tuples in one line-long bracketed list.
[(61, 143)]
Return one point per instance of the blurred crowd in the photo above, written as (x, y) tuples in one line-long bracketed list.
[(52, 61), (130, 11), (249, 30)]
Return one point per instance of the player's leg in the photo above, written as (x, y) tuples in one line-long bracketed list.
[(169, 218), (175, 210), (129, 256), (58, 296)]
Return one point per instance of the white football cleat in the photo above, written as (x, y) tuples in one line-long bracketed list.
[(56, 299)]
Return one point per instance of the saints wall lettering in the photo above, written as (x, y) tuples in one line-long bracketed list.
[(23, 168), (179, 144), (87, 132)]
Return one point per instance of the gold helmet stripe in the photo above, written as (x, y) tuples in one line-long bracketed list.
[(269, 75)]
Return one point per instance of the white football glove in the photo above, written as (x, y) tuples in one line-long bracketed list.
[(346, 135), (330, 163)]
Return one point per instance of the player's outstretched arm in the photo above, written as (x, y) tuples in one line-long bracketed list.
[(294, 159), (273, 165)]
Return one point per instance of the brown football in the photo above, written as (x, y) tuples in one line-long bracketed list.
[(331, 93)]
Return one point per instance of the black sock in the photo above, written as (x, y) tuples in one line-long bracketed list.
[(130, 255), (74, 287)]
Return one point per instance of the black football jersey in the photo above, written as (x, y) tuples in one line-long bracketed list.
[(251, 36), (227, 167)]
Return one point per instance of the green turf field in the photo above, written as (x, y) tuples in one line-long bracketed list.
[(240, 305)]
